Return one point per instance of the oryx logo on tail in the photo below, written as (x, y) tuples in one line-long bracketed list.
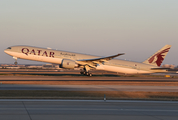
[(158, 57)]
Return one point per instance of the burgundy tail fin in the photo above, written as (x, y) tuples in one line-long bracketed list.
[(157, 58)]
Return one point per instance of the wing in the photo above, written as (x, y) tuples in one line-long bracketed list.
[(95, 61)]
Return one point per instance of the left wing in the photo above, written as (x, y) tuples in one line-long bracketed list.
[(95, 61)]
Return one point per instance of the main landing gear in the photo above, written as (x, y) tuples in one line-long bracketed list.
[(85, 71)]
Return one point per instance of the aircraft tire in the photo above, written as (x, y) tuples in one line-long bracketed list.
[(90, 75), (15, 63), (87, 73)]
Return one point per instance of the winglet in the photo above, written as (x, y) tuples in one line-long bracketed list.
[(157, 58)]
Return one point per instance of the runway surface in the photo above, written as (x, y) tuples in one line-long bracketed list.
[(90, 88), (87, 110), (84, 78), (74, 75)]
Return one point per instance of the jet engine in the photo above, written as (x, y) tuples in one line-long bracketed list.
[(68, 64)]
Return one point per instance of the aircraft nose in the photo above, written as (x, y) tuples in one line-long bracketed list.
[(5, 50)]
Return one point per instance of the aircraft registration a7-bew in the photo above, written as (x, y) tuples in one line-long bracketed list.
[(70, 60)]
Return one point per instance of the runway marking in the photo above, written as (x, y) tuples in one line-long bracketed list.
[(26, 110)]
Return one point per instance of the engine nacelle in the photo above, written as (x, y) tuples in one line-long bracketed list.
[(68, 64)]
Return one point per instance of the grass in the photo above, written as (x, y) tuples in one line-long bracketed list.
[(52, 94)]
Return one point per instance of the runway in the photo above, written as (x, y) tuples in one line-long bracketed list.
[(74, 75), (91, 88), (87, 109), (85, 78)]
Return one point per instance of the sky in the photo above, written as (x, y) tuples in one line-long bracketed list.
[(137, 28)]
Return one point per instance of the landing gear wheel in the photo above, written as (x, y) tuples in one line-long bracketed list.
[(83, 72), (90, 75), (87, 73), (15, 63), (15, 60)]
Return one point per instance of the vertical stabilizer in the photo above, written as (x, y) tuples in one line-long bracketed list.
[(157, 58)]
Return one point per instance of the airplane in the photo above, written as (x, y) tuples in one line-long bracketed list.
[(71, 60)]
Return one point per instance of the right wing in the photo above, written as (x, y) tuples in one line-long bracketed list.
[(95, 61)]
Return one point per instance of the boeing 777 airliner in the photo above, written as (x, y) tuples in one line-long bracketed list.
[(70, 60)]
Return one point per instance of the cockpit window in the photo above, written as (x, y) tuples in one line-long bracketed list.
[(9, 48)]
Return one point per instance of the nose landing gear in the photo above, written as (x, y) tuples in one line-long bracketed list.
[(15, 60)]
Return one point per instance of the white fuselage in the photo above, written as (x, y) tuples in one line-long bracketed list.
[(55, 56)]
